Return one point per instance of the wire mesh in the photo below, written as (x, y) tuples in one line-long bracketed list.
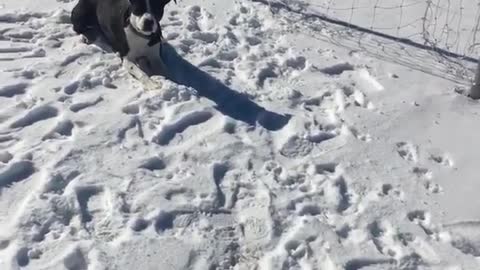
[(446, 30)]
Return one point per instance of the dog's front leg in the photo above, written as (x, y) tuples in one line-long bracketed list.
[(89, 36), (84, 21), (145, 65), (139, 74)]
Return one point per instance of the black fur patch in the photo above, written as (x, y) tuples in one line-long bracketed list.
[(110, 17)]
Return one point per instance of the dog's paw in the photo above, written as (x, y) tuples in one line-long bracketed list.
[(87, 40), (89, 36), (122, 57)]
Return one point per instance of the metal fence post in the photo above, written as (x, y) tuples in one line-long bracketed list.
[(475, 90)]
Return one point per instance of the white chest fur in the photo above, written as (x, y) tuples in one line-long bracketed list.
[(138, 48)]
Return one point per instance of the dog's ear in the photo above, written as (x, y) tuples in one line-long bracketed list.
[(159, 5), (126, 17)]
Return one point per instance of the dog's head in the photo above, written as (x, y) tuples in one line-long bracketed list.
[(145, 15)]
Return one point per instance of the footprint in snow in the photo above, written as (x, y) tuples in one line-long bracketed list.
[(465, 236), (12, 90), (16, 172), (442, 160), (194, 15), (63, 128), (84, 105), (169, 131), (84, 194), (407, 151), (337, 69), (35, 115)]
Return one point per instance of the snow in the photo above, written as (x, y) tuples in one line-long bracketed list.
[(276, 142)]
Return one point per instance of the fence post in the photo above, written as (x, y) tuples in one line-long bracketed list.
[(475, 90)]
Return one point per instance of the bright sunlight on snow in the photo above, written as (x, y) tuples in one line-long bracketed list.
[(279, 140)]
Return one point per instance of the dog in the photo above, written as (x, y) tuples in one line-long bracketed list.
[(128, 26)]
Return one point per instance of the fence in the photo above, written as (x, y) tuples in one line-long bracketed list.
[(451, 25), (446, 32)]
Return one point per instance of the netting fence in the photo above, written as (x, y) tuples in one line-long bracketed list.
[(452, 25), (444, 34)]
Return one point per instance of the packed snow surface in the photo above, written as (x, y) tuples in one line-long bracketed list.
[(276, 142)]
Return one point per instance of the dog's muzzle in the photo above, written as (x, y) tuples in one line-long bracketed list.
[(148, 23)]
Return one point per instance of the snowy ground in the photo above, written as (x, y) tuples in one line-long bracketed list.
[(341, 157)]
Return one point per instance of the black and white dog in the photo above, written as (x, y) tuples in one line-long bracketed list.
[(130, 27)]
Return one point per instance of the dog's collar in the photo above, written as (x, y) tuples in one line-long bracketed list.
[(138, 33), (154, 38)]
